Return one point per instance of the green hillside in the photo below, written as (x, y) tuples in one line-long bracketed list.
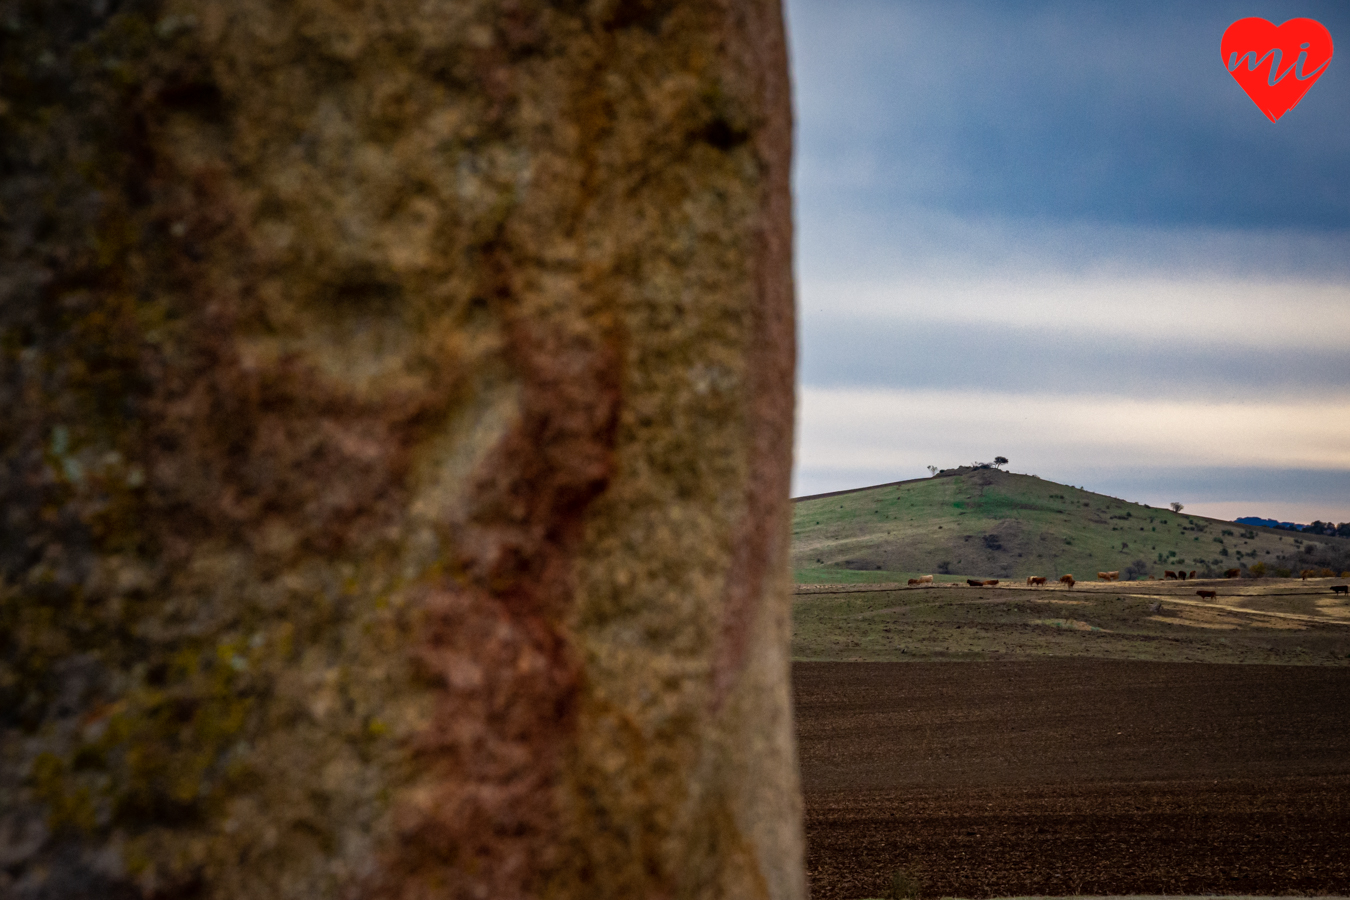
[(984, 523)]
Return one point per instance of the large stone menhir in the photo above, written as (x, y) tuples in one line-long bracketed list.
[(396, 406)]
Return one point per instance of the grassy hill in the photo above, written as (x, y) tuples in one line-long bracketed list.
[(984, 523)]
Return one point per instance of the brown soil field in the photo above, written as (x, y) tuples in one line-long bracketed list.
[(1058, 777)]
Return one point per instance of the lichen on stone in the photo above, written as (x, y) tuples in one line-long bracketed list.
[(395, 413)]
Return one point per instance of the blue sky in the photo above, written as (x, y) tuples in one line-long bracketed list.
[(1060, 232)]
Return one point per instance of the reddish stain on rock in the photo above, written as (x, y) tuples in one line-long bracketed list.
[(483, 818)]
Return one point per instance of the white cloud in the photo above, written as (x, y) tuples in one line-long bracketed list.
[(843, 233), (1182, 285), (1177, 312), (903, 431)]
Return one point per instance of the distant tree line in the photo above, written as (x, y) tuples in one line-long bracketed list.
[(1331, 529)]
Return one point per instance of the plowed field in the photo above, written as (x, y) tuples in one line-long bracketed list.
[(1076, 776)]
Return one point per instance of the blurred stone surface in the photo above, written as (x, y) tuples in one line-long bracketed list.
[(395, 419)]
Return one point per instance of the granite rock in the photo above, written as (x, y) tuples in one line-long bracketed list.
[(395, 418)]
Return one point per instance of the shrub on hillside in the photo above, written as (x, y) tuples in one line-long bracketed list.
[(1135, 570), (1333, 557)]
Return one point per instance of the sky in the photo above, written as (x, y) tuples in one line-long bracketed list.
[(1060, 232)]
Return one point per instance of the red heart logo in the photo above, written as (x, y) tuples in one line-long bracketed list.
[(1276, 66)]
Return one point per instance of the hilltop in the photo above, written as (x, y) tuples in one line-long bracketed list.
[(986, 523)]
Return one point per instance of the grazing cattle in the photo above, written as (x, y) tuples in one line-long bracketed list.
[(912, 581), (1109, 576), (991, 582), (1192, 573), (1208, 595), (1232, 573), (1341, 589), (1066, 580), (1035, 579), (1169, 575), (1181, 574), (973, 583), (925, 579)]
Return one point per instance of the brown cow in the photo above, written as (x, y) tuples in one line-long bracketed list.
[(912, 581), (1066, 580), (1341, 589), (1169, 575), (1192, 573), (1035, 579), (991, 582), (973, 583), (1181, 574), (1232, 573), (1109, 576), (925, 579), (1208, 595)]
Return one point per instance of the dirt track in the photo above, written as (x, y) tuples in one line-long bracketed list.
[(1061, 777), (1266, 621)]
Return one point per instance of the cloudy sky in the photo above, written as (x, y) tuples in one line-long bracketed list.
[(1060, 232)]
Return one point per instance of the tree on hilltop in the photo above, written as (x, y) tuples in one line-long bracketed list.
[(1176, 507), (1000, 461)]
